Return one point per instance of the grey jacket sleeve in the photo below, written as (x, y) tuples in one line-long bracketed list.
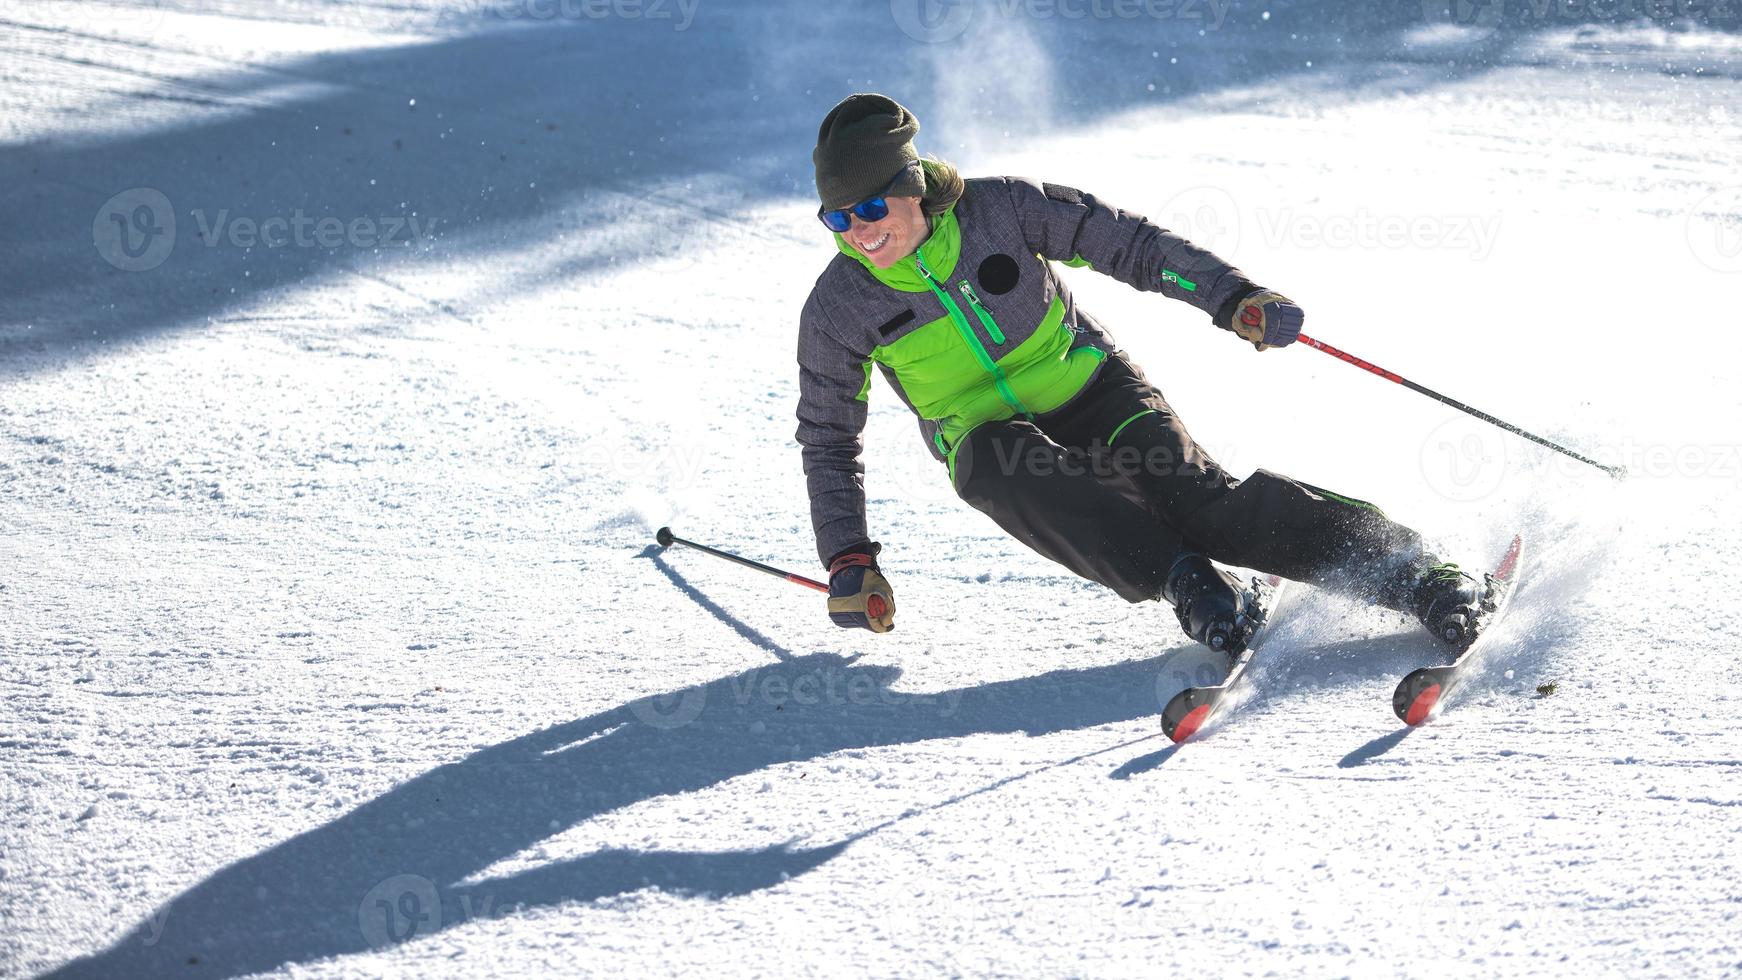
[(832, 384), (1065, 224)]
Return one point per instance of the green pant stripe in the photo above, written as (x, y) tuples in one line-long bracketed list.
[(1122, 425), (1350, 501)]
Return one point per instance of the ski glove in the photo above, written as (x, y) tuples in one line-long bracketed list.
[(1265, 318), (859, 595)]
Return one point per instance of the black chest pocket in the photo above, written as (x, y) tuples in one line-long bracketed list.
[(894, 323)]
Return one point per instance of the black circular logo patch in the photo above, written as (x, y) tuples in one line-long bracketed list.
[(999, 273)]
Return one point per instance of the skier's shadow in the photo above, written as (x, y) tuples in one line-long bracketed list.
[(406, 864)]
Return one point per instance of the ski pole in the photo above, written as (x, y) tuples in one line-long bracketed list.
[(1618, 472), (666, 539)]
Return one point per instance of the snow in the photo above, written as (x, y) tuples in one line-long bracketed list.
[(335, 642)]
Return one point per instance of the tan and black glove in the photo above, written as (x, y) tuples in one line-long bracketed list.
[(859, 595), (1265, 318)]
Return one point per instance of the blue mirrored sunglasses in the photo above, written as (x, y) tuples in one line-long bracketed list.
[(870, 210)]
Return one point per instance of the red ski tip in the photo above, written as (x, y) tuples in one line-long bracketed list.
[(1508, 566), (1189, 725), (1422, 706)]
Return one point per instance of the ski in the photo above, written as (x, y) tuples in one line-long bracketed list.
[(1421, 693), (1191, 709)]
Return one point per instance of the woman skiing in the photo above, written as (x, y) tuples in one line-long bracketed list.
[(948, 286)]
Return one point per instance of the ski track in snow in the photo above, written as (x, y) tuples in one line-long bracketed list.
[(334, 641)]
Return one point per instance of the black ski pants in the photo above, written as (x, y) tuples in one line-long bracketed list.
[(1112, 487)]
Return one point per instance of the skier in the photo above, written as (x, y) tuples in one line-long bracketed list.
[(948, 286)]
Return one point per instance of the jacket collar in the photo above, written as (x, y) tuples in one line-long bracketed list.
[(940, 249)]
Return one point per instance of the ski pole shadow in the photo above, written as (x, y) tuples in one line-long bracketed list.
[(1144, 763), (743, 629), (1374, 749)]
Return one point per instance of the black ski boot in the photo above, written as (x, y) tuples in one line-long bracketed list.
[(1213, 608), (1447, 600)]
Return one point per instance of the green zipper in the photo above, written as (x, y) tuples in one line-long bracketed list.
[(999, 380), (985, 315)]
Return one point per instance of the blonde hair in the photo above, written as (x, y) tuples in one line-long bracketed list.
[(943, 186)]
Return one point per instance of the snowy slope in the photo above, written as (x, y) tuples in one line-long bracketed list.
[(334, 643)]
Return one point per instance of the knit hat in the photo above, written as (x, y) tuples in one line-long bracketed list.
[(865, 142)]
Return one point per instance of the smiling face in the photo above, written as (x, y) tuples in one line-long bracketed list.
[(894, 238)]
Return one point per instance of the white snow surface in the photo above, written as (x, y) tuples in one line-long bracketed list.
[(334, 642)]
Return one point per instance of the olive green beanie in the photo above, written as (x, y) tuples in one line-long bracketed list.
[(865, 142)]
